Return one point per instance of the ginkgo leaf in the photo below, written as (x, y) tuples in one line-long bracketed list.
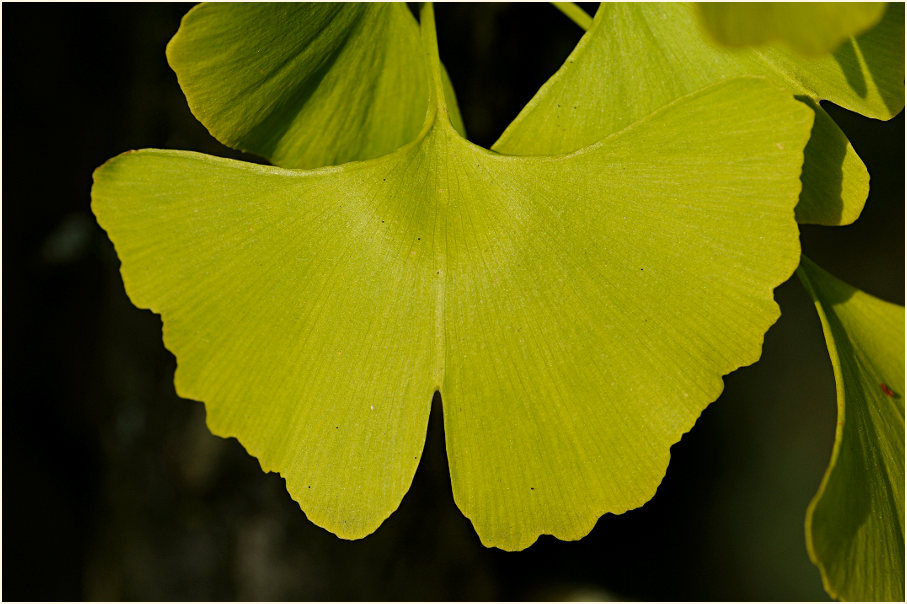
[(305, 84), (639, 56), (855, 523), (575, 312), (808, 27)]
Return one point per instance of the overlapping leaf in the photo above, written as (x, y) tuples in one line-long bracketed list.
[(576, 312), (808, 27), (305, 85), (638, 56), (855, 523)]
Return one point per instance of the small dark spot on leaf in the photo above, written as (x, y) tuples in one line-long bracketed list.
[(310, 486), (336, 427), (531, 488)]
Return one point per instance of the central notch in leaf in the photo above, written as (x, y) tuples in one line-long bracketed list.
[(315, 312)]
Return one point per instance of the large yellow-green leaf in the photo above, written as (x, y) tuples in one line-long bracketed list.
[(638, 56), (855, 523), (808, 27), (576, 312), (305, 84)]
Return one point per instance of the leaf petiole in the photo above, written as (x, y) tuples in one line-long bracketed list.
[(430, 46), (575, 13)]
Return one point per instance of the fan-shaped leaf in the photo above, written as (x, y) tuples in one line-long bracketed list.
[(576, 312), (639, 56), (855, 523), (305, 84)]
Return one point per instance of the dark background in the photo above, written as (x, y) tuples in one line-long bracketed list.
[(114, 489)]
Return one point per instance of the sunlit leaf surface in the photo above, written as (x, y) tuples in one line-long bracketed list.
[(855, 523), (638, 56), (576, 312)]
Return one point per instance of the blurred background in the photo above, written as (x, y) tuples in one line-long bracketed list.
[(113, 488)]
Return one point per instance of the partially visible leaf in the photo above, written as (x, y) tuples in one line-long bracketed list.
[(576, 312), (855, 523), (808, 27), (864, 75), (836, 183), (637, 57), (305, 85)]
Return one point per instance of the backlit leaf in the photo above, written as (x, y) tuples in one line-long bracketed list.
[(305, 84), (808, 27), (575, 312), (855, 523), (639, 56)]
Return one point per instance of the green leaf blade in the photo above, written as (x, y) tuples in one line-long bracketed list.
[(836, 183), (304, 85), (864, 75), (374, 283), (638, 57), (267, 282), (807, 27), (855, 522), (588, 338)]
